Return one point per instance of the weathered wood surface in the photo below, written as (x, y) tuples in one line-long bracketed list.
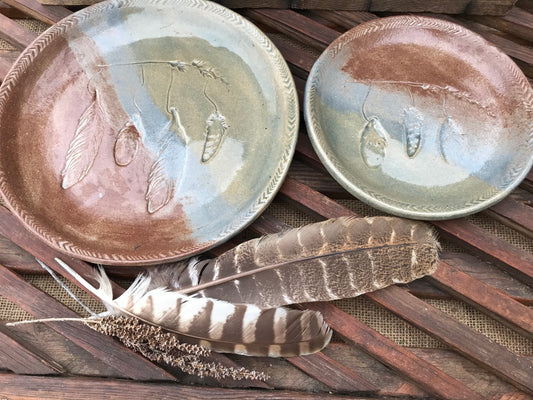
[(477, 7), (371, 364), (21, 359)]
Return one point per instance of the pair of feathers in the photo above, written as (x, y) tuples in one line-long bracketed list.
[(235, 302)]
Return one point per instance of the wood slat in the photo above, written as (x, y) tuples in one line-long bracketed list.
[(15, 387), (41, 305), (475, 346), (14, 33), (333, 374), (517, 262), (424, 374), (47, 14), (514, 214), (18, 357), (482, 296), (517, 22), (294, 25)]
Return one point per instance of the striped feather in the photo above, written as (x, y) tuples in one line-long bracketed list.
[(218, 325), (334, 259)]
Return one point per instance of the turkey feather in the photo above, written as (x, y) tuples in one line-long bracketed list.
[(215, 324), (329, 260), (233, 303)]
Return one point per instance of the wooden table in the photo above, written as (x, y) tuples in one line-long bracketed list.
[(492, 275)]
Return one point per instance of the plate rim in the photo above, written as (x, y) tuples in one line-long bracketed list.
[(261, 201), (316, 134)]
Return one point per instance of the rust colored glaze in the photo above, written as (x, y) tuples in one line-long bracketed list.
[(104, 210), (420, 117), (131, 141)]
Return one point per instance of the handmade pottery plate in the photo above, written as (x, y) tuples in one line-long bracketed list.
[(420, 117), (136, 132)]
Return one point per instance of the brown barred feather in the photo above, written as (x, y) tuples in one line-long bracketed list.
[(233, 303)]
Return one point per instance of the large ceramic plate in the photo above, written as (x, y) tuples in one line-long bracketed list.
[(420, 117), (135, 132)]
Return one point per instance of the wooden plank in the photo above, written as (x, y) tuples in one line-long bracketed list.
[(294, 25), (513, 214), (477, 347), (333, 374), (450, 6), (105, 348), (515, 261), (346, 19), (477, 378), (20, 359), (484, 297), (425, 375), (517, 22), (53, 346), (491, 275), (15, 34), (14, 387), (47, 14), (11, 12)]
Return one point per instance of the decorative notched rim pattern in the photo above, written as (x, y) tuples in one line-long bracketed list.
[(512, 178), (290, 129)]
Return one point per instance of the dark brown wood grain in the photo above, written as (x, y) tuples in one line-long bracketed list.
[(41, 305), (294, 25), (428, 377), (491, 301), (15, 387), (514, 214), (20, 359), (333, 374), (48, 14), (517, 22), (475, 346), (14, 33)]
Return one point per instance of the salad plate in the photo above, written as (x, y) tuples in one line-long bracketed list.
[(420, 117)]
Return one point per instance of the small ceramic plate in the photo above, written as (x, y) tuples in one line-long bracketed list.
[(420, 117), (136, 132)]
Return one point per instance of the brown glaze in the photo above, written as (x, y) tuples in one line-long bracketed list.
[(424, 55), (103, 134), (116, 222)]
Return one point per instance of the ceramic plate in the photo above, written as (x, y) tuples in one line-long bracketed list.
[(420, 117), (135, 132)]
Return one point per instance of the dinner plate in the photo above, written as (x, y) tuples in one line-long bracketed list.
[(136, 132), (420, 117)]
